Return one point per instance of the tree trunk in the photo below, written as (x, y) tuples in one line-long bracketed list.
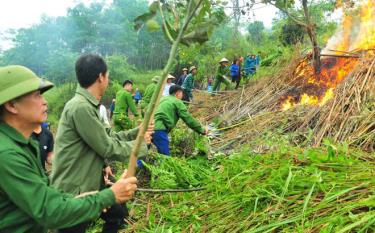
[(237, 17), (310, 28)]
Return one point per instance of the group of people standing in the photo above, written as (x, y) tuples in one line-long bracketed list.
[(172, 107), (241, 68), (233, 73), (177, 95), (251, 64), (77, 191), (81, 184), (126, 102)]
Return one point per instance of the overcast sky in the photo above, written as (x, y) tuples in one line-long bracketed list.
[(16, 14), (24, 13)]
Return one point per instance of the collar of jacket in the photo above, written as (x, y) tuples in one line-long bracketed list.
[(83, 92), (13, 133)]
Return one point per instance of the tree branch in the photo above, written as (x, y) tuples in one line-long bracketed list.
[(169, 36), (158, 92), (192, 13), (297, 21)]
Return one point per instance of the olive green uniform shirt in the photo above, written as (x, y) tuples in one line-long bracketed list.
[(170, 110), (83, 143), (27, 203), (219, 77), (188, 85), (124, 102), (222, 71), (150, 89)]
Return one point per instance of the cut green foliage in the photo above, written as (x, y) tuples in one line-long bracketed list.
[(293, 190), (185, 142), (168, 172)]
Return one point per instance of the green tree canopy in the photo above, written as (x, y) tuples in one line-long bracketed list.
[(256, 31), (50, 47)]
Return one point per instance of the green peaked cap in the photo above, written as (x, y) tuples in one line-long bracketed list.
[(156, 79), (16, 81)]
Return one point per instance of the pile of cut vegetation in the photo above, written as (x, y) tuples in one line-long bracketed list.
[(348, 117), (235, 105), (291, 190), (293, 171)]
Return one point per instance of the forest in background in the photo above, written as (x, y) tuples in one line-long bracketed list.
[(51, 47)]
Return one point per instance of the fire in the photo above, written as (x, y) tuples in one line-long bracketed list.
[(287, 104), (308, 100), (328, 95), (309, 88), (355, 35), (366, 36), (357, 31)]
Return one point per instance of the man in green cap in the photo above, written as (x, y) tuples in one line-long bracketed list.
[(124, 103), (150, 89), (188, 84), (221, 75), (84, 143), (27, 202), (181, 79), (169, 111)]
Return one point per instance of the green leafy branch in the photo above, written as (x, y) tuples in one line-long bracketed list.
[(198, 23)]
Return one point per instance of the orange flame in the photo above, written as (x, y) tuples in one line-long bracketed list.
[(356, 34), (357, 30), (366, 36)]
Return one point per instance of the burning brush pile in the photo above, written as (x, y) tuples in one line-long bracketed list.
[(337, 102), (310, 88)]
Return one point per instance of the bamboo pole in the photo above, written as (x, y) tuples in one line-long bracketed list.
[(340, 51), (169, 190), (158, 91), (344, 56)]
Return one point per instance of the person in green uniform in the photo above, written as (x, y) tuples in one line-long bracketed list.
[(150, 89), (124, 103), (221, 75), (188, 85), (84, 144), (169, 111), (27, 202)]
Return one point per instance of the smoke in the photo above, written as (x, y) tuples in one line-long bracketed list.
[(345, 35), (357, 30)]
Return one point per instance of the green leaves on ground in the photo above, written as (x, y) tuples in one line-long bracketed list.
[(297, 190), (168, 172)]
